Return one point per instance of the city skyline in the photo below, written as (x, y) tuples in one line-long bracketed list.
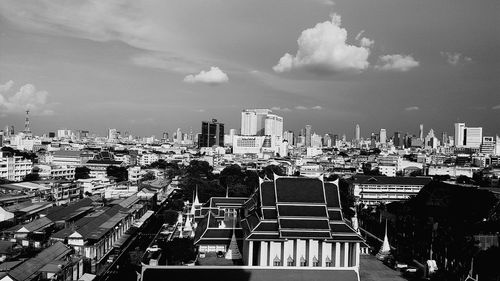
[(121, 64)]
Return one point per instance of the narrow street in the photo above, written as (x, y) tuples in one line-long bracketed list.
[(128, 263)]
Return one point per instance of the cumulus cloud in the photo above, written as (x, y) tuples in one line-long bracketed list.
[(28, 97), (7, 86), (412, 108), (317, 107), (323, 49), (455, 58), (365, 42), (358, 36), (212, 76), (397, 63)]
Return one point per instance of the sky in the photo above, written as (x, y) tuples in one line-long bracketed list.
[(152, 66)]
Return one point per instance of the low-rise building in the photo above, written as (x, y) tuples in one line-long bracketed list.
[(371, 190)]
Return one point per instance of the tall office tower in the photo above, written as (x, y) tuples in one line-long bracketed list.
[(316, 140), (248, 123), (178, 136), (497, 145), (1, 138), (112, 134), (308, 135), (27, 129), (6, 131), (253, 121), (421, 133), (396, 140), (289, 136), (335, 140), (444, 139), (273, 126), (165, 136), (11, 132), (473, 137), (212, 133), (459, 134), (327, 140), (357, 133), (383, 136)]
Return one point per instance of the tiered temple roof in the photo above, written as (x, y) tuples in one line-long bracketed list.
[(296, 208)]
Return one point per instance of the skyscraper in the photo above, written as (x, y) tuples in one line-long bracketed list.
[(308, 135), (397, 139), (27, 129), (212, 133), (459, 134), (253, 121), (383, 136), (421, 133), (473, 137), (357, 133)]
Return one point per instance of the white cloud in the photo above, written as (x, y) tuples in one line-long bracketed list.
[(26, 98), (412, 108), (323, 49), (277, 108), (397, 63), (455, 58), (367, 43), (212, 76), (358, 36), (496, 107), (301, 107), (317, 107), (7, 86)]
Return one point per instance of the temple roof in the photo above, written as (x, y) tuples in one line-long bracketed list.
[(296, 207)]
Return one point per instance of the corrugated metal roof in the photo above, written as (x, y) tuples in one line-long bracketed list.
[(29, 269)]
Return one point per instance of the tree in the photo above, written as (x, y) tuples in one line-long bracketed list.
[(148, 176), (120, 173), (270, 170), (82, 173), (32, 177)]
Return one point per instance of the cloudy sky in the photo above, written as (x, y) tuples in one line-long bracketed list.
[(152, 66)]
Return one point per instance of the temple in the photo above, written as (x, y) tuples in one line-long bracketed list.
[(291, 227)]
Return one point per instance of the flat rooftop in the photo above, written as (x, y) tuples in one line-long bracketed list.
[(372, 269)]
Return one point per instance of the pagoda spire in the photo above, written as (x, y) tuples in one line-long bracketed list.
[(196, 201), (233, 252), (385, 250)]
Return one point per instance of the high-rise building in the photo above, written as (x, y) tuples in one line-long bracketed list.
[(112, 134), (497, 145), (316, 140), (383, 136), (459, 134), (473, 137), (289, 136), (444, 139), (396, 140), (212, 133), (308, 135), (421, 132), (27, 129), (273, 126), (357, 133), (253, 122)]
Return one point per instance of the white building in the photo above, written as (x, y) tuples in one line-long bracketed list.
[(14, 168), (473, 137)]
